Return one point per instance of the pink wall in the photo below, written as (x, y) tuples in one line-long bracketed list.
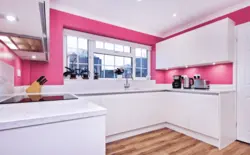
[(59, 20), (13, 60), (218, 74)]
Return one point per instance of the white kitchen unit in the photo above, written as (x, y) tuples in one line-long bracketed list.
[(243, 83), (52, 128), (128, 112), (211, 43), (209, 116)]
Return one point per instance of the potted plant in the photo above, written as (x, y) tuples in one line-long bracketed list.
[(85, 74), (70, 72), (119, 72)]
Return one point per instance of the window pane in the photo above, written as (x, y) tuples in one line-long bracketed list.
[(82, 43), (109, 71), (84, 67), (118, 48), (144, 53), (138, 52), (127, 73), (109, 46), (71, 51), (144, 62), (127, 62), (71, 41), (99, 44), (99, 59), (72, 58), (126, 49), (99, 69), (138, 62), (144, 72), (138, 72), (109, 60), (83, 57), (72, 66), (119, 61)]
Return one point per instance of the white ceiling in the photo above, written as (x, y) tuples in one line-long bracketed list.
[(27, 11), (148, 16)]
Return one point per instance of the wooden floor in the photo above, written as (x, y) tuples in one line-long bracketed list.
[(168, 142)]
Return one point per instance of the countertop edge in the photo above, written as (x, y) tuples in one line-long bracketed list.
[(215, 92), (49, 120)]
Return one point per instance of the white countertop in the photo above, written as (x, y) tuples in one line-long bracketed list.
[(37, 113), (144, 90)]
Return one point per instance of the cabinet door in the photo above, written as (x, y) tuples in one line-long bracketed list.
[(177, 111), (204, 114), (126, 112), (161, 55)]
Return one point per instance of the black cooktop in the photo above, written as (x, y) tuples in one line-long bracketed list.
[(38, 98)]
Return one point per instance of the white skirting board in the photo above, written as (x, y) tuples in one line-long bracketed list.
[(128, 134), (201, 137), (204, 138)]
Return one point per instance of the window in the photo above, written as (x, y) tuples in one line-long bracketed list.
[(112, 47), (102, 55), (77, 53), (141, 62), (104, 65)]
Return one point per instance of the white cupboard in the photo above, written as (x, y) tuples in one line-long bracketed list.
[(211, 43), (209, 117), (127, 112)]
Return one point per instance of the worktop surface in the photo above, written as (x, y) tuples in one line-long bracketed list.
[(36, 113)]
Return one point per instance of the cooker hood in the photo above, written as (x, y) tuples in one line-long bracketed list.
[(28, 35)]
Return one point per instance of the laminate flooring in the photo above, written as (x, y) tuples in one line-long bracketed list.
[(169, 142)]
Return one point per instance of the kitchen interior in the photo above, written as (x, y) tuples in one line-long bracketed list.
[(124, 77)]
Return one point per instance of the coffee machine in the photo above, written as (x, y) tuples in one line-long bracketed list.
[(177, 81)]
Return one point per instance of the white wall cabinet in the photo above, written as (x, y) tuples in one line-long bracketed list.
[(211, 43)]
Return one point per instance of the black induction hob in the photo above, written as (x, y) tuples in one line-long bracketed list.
[(38, 98)]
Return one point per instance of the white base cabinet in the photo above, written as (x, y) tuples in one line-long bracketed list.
[(208, 117), (197, 112), (126, 112), (74, 137)]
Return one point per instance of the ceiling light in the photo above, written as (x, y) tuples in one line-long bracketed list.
[(5, 39), (186, 66), (214, 63), (11, 18), (33, 57), (174, 15), (11, 46), (139, 0)]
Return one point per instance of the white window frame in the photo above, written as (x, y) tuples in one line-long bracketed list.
[(92, 49)]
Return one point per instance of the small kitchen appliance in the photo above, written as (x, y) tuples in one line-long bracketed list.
[(177, 81), (201, 83), (187, 82)]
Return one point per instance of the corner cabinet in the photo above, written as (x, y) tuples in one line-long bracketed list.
[(213, 43)]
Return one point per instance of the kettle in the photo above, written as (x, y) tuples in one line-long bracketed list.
[(187, 82)]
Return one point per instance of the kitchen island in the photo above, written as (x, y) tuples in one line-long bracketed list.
[(75, 126), (207, 115)]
